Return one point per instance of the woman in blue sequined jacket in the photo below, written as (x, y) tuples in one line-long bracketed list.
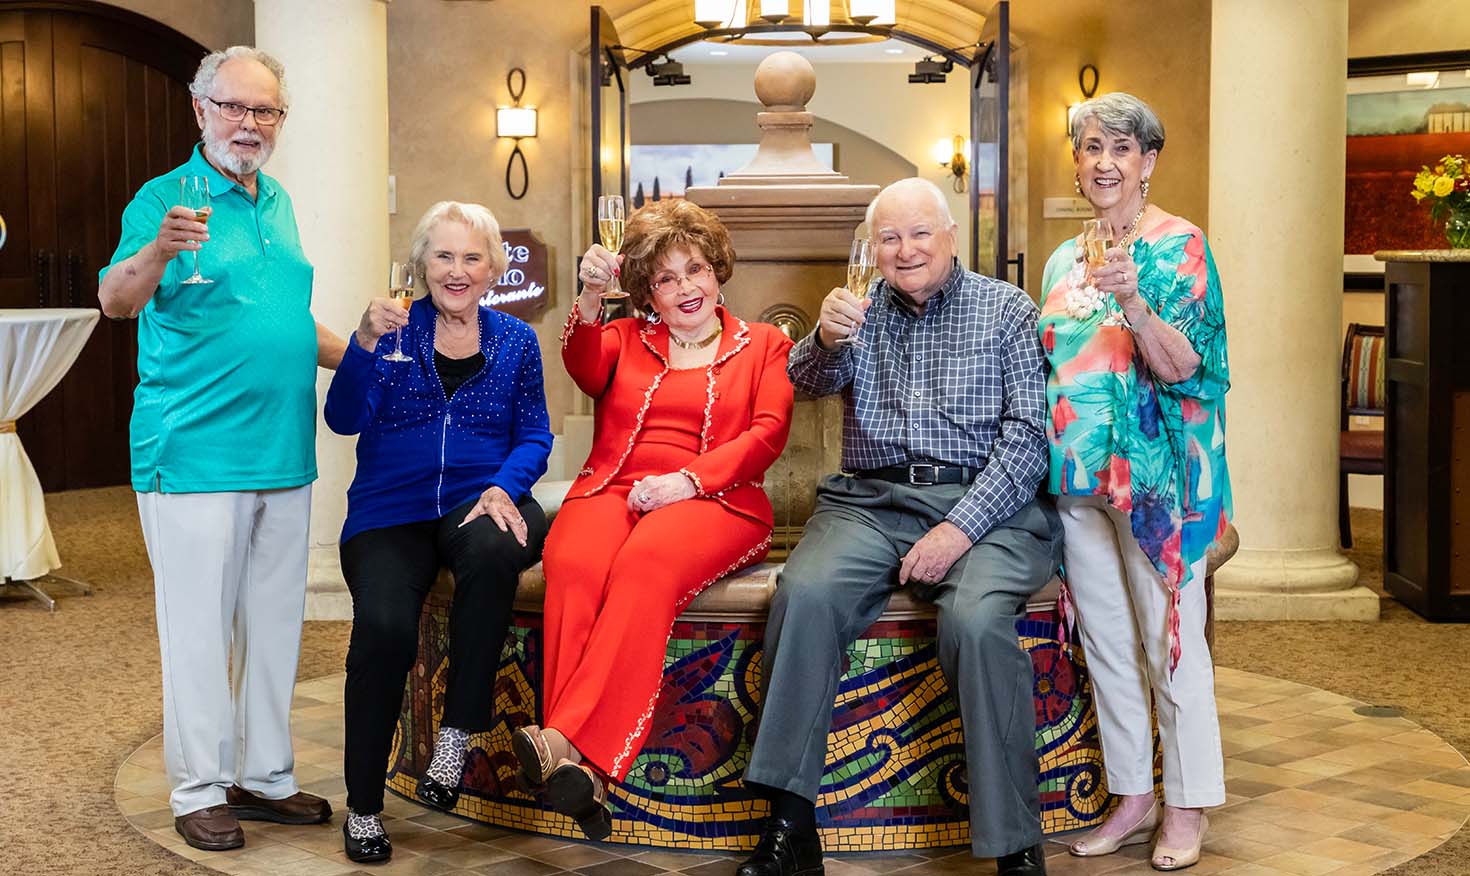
[(450, 442)]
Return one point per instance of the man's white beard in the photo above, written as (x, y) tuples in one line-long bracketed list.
[(219, 152)]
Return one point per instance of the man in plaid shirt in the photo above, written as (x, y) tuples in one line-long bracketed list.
[(944, 446)]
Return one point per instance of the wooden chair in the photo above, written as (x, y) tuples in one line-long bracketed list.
[(1363, 395)]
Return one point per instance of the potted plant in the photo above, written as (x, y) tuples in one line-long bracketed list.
[(1446, 189)]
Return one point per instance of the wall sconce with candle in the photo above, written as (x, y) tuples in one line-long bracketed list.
[(953, 156), (1087, 79), (516, 122)]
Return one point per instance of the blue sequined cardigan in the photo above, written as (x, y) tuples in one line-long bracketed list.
[(420, 454)]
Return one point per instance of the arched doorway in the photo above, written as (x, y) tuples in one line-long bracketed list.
[(93, 103), (626, 36)]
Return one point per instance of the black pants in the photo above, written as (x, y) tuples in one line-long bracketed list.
[(389, 572)]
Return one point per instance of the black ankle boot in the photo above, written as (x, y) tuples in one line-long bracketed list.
[(1027, 862), (784, 850)]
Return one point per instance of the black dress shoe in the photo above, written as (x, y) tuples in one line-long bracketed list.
[(437, 795), (1027, 862), (784, 850), (368, 849)]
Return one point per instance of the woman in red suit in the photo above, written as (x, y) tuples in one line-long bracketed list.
[(692, 405)]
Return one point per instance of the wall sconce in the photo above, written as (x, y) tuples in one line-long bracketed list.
[(516, 122), (952, 155), (1087, 82)]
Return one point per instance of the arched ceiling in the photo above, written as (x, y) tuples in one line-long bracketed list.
[(653, 23)]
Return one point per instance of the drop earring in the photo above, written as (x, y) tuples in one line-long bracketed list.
[(1144, 186), (1077, 184)]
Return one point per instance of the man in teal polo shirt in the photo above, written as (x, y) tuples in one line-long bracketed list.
[(223, 451)]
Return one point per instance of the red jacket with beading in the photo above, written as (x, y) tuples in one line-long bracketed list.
[(747, 414)]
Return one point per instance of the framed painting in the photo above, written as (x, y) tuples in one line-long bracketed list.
[(1404, 112), (665, 170)]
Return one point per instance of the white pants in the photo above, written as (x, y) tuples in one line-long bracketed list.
[(1123, 612), (229, 573)]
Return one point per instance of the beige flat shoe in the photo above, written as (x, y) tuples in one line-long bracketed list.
[(1092, 845), (1166, 858)]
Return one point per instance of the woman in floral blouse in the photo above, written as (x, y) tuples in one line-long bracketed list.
[(1136, 396)]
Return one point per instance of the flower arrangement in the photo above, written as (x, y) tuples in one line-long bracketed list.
[(1446, 188)]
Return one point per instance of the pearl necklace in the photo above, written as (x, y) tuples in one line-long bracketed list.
[(700, 344)]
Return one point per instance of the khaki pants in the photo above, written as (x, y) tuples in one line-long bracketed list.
[(229, 574)]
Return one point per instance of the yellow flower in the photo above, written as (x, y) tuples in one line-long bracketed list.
[(1443, 187), (1418, 196), (1423, 183)]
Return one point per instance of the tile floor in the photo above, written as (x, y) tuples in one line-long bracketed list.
[(1314, 788)]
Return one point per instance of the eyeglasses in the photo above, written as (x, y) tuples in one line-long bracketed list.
[(670, 282), (235, 112)]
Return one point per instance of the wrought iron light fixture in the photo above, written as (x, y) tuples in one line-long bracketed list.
[(516, 122), (761, 22), (1087, 79), (953, 157)]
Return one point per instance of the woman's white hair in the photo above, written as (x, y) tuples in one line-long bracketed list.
[(941, 203), (203, 82), (477, 217)]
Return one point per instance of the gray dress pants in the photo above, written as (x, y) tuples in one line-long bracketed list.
[(836, 584)]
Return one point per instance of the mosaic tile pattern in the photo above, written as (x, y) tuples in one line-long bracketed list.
[(895, 777), (1314, 789)]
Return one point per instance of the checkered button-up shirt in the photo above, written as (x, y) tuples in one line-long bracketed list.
[(963, 384)]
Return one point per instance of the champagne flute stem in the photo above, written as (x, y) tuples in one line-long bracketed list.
[(196, 262), (398, 340)]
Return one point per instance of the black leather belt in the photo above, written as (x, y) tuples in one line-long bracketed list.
[(921, 474)]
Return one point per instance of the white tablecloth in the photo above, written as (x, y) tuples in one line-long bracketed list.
[(37, 346)]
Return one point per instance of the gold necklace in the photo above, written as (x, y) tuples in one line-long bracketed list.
[(700, 344), (1132, 227)]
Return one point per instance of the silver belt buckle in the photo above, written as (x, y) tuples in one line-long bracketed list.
[(916, 480)]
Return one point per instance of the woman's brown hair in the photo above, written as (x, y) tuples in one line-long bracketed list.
[(660, 226)]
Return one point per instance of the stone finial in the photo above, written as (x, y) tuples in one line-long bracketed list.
[(785, 82)]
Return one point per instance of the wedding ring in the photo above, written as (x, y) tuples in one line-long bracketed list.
[(643, 498)]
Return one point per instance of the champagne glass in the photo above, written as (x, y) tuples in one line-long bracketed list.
[(1097, 239), (194, 194), (861, 264), (400, 289), (610, 229)]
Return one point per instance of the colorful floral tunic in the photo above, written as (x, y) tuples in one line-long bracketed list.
[(1156, 450)]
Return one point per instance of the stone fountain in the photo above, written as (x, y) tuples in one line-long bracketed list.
[(792, 220)]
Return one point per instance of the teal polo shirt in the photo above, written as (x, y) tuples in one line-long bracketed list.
[(226, 397)]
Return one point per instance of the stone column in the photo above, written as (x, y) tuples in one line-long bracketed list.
[(332, 158), (1277, 121)]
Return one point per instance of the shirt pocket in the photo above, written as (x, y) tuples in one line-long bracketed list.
[(968, 387)]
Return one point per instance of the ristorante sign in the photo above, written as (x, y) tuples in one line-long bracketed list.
[(524, 288)]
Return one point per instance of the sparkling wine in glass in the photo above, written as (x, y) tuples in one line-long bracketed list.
[(610, 229), (861, 265), (400, 289), (1097, 239), (194, 194)]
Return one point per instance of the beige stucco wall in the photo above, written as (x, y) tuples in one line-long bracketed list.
[(447, 64), (213, 23), (1406, 27), (1166, 64)]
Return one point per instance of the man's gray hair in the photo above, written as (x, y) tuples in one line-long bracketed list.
[(1122, 115), (941, 203), (477, 217), (203, 82)]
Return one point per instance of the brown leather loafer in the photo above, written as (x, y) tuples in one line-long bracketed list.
[(212, 829), (299, 808)]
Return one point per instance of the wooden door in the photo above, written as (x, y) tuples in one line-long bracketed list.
[(95, 103)]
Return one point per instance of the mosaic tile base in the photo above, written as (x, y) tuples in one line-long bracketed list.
[(1314, 788), (895, 776)]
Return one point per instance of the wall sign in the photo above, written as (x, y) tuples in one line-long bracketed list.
[(524, 290)]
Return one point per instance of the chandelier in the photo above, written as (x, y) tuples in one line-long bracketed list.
[(852, 21)]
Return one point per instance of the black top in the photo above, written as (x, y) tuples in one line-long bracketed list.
[(453, 372)]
